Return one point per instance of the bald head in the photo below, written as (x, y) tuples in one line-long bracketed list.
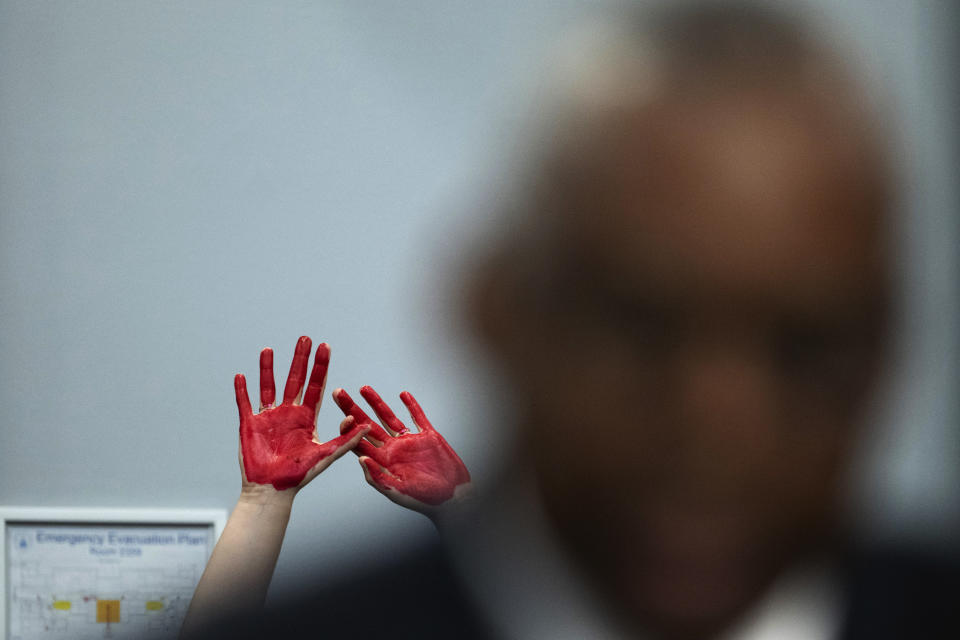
[(693, 310)]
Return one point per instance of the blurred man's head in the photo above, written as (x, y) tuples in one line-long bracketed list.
[(694, 313)]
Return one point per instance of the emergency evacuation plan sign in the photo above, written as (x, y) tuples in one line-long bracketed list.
[(86, 580)]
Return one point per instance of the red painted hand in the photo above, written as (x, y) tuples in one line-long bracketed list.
[(417, 470), (279, 445)]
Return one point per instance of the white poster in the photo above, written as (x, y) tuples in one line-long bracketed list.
[(81, 581)]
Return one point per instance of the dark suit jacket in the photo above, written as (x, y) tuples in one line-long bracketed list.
[(891, 594)]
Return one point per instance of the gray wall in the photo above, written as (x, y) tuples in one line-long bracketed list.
[(183, 183)]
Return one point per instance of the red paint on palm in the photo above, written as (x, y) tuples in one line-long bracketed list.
[(279, 445), (420, 464)]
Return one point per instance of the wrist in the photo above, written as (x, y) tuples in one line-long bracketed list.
[(457, 508), (261, 495)]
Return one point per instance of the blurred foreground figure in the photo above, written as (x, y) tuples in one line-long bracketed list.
[(692, 306)]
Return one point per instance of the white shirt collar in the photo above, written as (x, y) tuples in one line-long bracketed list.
[(805, 604), (516, 572)]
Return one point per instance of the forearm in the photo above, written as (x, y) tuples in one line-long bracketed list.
[(239, 571)]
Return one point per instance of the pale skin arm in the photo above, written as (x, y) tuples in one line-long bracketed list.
[(280, 453)]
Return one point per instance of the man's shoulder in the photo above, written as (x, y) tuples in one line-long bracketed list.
[(903, 592), (891, 593)]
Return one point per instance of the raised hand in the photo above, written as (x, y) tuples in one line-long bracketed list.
[(417, 470), (279, 445)]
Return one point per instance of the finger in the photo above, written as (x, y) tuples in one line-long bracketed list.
[(419, 417), (346, 425), (298, 370), (378, 478), (343, 443), (268, 391), (325, 454), (243, 400), (387, 417), (350, 408), (318, 377), (364, 448)]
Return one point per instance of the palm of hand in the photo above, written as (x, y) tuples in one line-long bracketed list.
[(421, 466), (278, 445), (424, 465)]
